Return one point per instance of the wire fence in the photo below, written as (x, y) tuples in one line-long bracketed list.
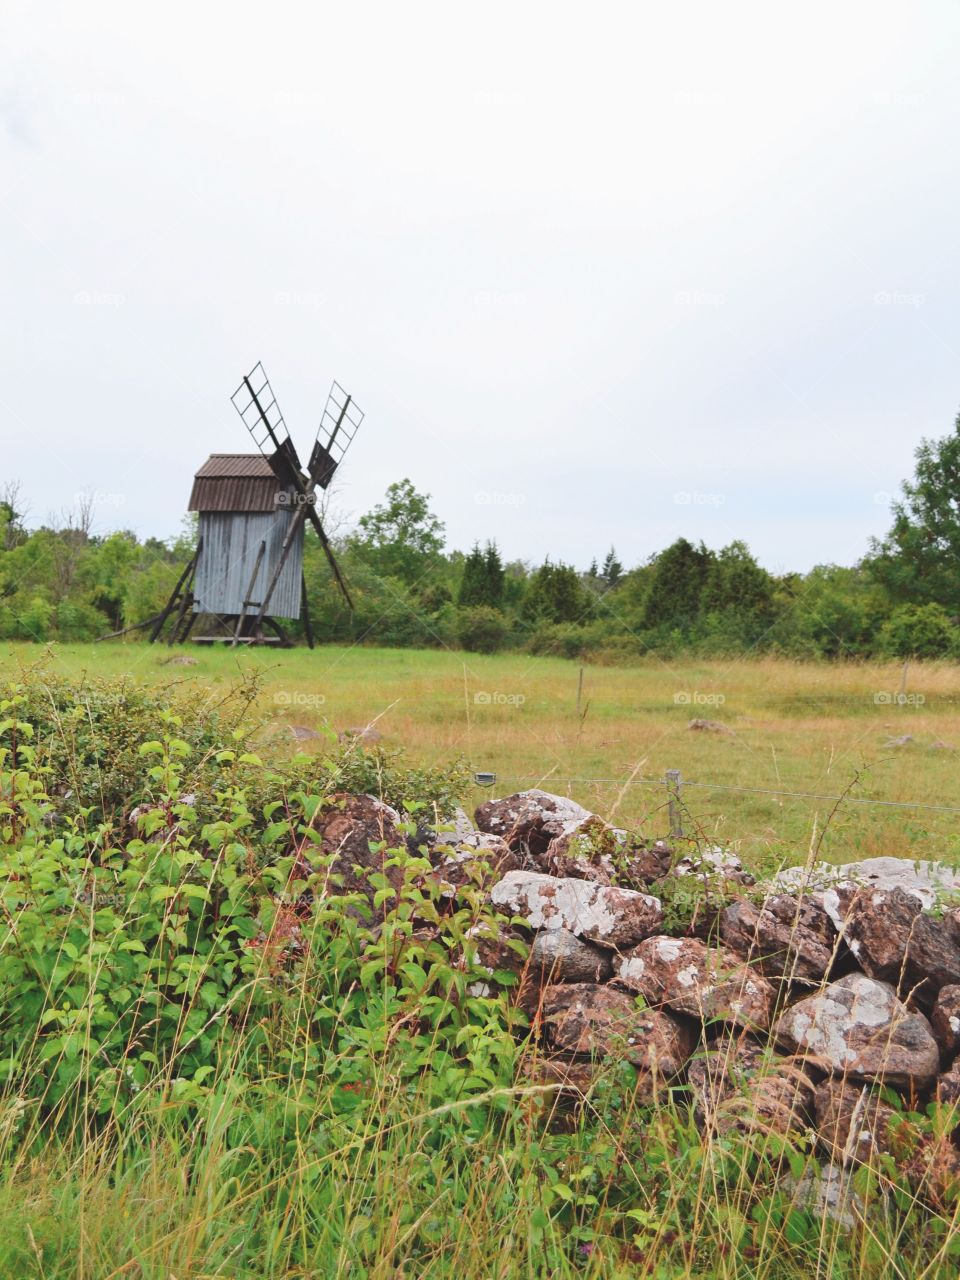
[(675, 784)]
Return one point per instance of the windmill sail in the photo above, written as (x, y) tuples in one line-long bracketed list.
[(260, 413), (339, 424)]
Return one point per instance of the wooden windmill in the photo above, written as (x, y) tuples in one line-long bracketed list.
[(247, 570)]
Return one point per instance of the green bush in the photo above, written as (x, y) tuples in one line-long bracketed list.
[(482, 629), (918, 631)]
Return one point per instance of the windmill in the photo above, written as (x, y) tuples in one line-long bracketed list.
[(247, 570)]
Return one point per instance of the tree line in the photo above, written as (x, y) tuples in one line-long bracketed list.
[(62, 581)]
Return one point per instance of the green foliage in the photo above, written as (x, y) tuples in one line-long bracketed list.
[(483, 578), (401, 538), (918, 631), (482, 629), (680, 575), (919, 559), (555, 594)]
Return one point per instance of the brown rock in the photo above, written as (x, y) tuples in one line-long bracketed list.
[(945, 1021), (857, 1027), (557, 955), (690, 977), (584, 1018), (530, 819), (347, 827), (895, 942), (854, 1125), (786, 937), (740, 1084), (604, 914)]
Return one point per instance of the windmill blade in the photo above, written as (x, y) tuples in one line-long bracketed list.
[(328, 552), (339, 424), (258, 409)]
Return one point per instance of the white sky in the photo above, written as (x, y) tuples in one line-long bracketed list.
[(574, 262)]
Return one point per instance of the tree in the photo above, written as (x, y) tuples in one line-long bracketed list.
[(401, 538), (612, 570), (736, 583), (483, 578), (919, 559), (555, 594), (676, 590)]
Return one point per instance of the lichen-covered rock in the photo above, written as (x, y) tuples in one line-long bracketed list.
[(712, 863), (707, 982), (945, 1021), (607, 855), (588, 1019), (857, 1027), (347, 827), (854, 1125), (892, 940), (927, 881), (557, 955), (784, 936), (531, 819), (740, 1084), (604, 914)]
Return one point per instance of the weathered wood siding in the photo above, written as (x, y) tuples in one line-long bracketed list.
[(231, 540)]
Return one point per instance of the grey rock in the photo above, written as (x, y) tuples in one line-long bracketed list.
[(857, 1027), (604, 914)]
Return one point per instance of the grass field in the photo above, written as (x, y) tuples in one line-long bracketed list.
[(793, 727)]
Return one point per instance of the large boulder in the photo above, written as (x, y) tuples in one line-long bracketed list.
[(740, 1084), (612, 917), (784, 936), (857, 1027), (588, 1019), (530, 820), (894, 941), (926, 881), (706, 982), (362, 833)]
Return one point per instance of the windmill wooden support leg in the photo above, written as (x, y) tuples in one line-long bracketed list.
[(189, 627), (249, 592), (187, 600), (306, 610), (171, 604)]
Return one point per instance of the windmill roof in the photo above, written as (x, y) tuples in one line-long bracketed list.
[(234, 482)]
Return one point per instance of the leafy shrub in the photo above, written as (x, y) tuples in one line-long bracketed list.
[(918, 631), (482, 629)]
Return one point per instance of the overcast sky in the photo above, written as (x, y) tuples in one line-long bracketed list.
[(605, 273)]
